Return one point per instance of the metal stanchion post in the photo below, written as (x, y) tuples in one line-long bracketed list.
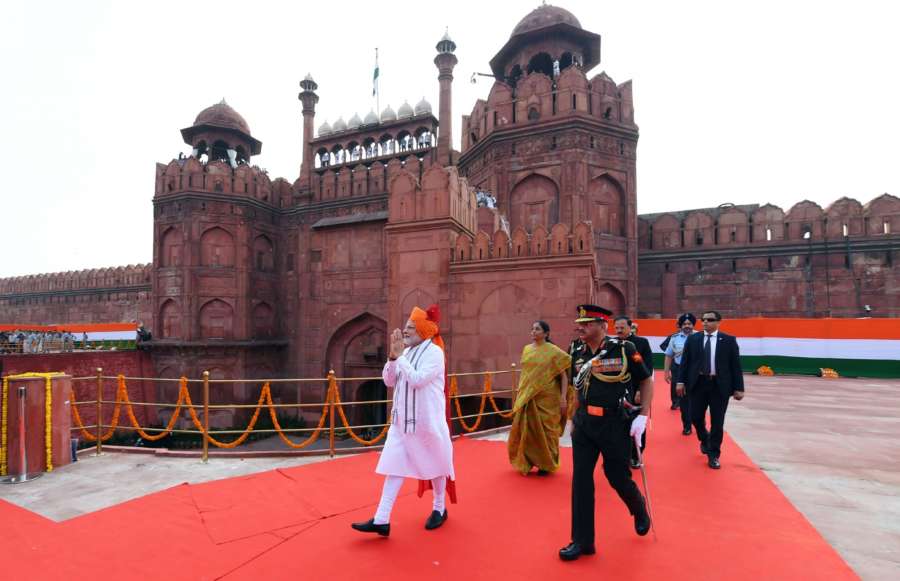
[(515, 382), (332, 386), (23, 475), (99, 411), (205, 416)]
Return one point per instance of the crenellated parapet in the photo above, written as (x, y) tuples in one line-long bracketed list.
[(559, 240), (192, 175), (729, 225), (537, 97), (97, 278)]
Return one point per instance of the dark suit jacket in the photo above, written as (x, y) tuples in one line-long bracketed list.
[(643, 347), (729, 377)]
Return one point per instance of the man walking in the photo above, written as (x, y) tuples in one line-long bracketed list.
[(626, 330), (604, 370), (710, 374), (674, 349), (418, 442)]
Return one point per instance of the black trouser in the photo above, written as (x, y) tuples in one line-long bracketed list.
[(672, 394), (684, 403), (706, 394), (594, 436)]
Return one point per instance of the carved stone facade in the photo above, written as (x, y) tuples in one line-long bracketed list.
[(258, 277), (749, 261)]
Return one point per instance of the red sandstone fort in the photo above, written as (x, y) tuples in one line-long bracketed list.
[(255, 277)]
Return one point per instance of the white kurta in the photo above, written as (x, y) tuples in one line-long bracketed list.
[(418, 442)]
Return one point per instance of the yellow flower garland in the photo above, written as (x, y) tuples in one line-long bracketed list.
[(48, 417), (3, 428)]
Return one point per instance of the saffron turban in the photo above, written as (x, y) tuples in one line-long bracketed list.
[(427, 324)]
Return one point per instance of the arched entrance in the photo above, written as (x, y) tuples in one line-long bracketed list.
[(358, 349), (374, 414)]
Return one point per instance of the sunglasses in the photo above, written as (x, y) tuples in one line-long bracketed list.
[(709, 320)]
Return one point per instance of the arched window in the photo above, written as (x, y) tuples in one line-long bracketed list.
[(541, 63), (217, 248), (216, 320), (534, 202), (170, 248), (263, 254), (169, 320)]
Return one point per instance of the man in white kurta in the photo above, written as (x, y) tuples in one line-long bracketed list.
[(418, 441)]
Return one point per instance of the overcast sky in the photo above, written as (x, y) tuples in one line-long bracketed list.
[(747, 102)]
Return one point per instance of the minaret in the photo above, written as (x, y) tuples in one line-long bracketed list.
[(445, 61), (309, 99)]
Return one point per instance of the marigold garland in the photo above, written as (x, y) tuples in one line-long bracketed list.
[(340, 408), (454, 393), (828, 373), (3, 428), (240, 439), (312, 437), (123, 394), (765, 370), (114, 423), (488, 385)]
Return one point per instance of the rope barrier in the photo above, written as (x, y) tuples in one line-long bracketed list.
[(488, 384), (240, 439), (80, 424), (312, 437), (332, 401), (454, 390), (123, 390), (337, 400)]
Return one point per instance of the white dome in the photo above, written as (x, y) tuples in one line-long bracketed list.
[(339, 125), (423, 107), (371, 118), (405, 110), (354, 122), (324, 129), (388, 114)]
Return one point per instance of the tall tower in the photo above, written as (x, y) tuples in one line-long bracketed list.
[(445, 61), (309, 99)]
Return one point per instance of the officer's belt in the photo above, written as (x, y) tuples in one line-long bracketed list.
[(599, 411)]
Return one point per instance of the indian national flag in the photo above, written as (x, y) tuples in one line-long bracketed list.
[(852, 347)]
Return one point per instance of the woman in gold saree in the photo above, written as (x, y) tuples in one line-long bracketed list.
[(540, 404)]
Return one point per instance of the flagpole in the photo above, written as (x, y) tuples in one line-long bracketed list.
[(377, 92)]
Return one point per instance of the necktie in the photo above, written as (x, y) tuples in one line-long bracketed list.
[(706, 368)]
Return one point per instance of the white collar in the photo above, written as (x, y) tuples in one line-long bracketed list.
[(713, 334)]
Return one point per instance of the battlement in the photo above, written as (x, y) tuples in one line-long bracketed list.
[(189, 174), (559, 240), (536, 97), (97, 278), (730, 225)]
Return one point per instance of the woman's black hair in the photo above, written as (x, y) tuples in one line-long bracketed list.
[(546, 328)]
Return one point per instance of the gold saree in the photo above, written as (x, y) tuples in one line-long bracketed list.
[(536, 428)]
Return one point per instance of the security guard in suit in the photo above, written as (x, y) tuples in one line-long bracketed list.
[(604, 371)]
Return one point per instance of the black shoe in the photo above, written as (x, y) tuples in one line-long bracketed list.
[(435, 520), (686, 431), (642, 521), (370, 527), (573, 550), (714, 463), (674, 406), (703, 448), (635, 464), (543, 472)]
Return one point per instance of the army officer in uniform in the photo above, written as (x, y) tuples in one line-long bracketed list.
[(605, 370)]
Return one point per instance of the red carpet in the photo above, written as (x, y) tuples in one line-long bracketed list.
[(295, 524)]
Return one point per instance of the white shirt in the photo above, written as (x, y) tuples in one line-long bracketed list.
[(713, 339)]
